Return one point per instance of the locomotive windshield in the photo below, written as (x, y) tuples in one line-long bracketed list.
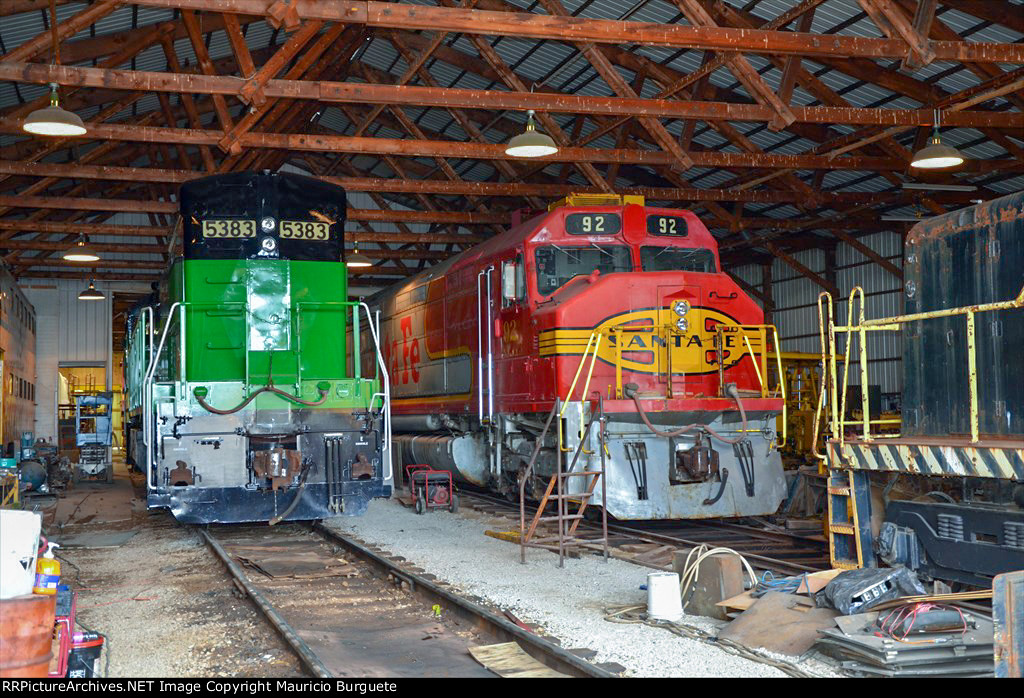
[(559, 264), (677, 259)]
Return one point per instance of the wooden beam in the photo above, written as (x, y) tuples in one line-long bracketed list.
[(547, 191), (894, 24), (543, 102), (69, 27), (316, 142), (149, 206), (535, 26)]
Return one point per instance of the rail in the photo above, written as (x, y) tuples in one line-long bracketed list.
[(827, 332)]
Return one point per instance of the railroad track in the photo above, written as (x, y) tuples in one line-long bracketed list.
[(349, 610), (653, 543)]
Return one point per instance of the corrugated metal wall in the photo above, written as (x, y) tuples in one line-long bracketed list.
[(68, 331), (796, 298)]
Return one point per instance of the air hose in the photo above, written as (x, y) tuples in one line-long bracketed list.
[(265, 389), (731, 390), (295, 502)]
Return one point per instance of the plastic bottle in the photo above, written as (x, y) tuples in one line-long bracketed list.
[(47, 572)]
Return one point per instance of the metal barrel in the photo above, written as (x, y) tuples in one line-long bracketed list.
[(26, 630)]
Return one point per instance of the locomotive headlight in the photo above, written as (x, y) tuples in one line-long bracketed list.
[(681, 308), (682, 325), (268, 244), (268, 224)]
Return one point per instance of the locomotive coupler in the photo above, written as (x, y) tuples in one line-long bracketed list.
[(699, 463)]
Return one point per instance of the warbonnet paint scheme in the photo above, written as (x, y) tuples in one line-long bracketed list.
[(244, 401), (480, 346)]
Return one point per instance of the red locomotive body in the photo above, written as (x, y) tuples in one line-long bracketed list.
[(480, 346)]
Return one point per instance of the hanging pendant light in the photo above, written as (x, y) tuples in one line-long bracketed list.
[(81, 251), (936, 155), (91, 294), (531, 143), (357, 260), (54, 120)]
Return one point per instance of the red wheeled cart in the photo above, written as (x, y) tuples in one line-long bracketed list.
[(430, 489)]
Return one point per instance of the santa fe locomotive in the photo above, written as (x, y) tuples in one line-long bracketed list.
[(244, 402), (481, 346)]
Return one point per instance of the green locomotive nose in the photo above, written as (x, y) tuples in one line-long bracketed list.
[(253, 405)]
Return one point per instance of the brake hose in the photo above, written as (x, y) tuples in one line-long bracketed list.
[(295, 502), (265, 389), (733, 393)]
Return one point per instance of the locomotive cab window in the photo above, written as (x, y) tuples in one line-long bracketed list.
[(674, 226), (559, 264), (593, 224), (677, 259)]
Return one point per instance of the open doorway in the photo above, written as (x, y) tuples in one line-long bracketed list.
[(76, 380)]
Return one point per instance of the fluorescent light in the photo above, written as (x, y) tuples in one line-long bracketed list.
[(531, 143), (911, 219), (939, 187)]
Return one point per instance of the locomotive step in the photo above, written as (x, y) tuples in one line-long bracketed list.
[(846, 529), (581, 495), (581, 473), (569, 517)]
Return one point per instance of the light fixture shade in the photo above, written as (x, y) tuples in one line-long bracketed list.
[(91, 294), (357, 260), (936, 156), (531, 143), (54, 121), (81, 251)]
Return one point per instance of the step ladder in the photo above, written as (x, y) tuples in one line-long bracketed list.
[(567, 517), (849, 519)]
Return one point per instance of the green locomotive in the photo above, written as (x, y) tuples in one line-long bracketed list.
[(245, 397)]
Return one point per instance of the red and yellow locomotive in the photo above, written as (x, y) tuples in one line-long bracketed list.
[(480, 346)]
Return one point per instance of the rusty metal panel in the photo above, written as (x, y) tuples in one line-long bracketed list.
[(1008, 617), (968, 257)]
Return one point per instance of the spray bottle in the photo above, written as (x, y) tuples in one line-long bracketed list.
[(47, 572)]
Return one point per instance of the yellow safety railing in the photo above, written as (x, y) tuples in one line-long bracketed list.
[(760, 359), (595, 342), (827, 331)]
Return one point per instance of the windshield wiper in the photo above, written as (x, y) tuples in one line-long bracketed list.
[(567, 254)]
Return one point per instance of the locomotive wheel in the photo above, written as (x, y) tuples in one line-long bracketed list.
[(421, 504), (453, 506)]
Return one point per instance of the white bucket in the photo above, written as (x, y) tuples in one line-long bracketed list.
[(663, 599), (19, 543)]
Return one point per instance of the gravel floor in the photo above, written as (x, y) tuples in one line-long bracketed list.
[(165, 603), (566, 603), (167, 608)]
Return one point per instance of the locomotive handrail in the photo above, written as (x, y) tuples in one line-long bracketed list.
[(481, 329), (890, 324), (595, 341), (385, 377), (147, 390)]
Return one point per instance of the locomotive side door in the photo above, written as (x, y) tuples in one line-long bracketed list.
[(512, 331)]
